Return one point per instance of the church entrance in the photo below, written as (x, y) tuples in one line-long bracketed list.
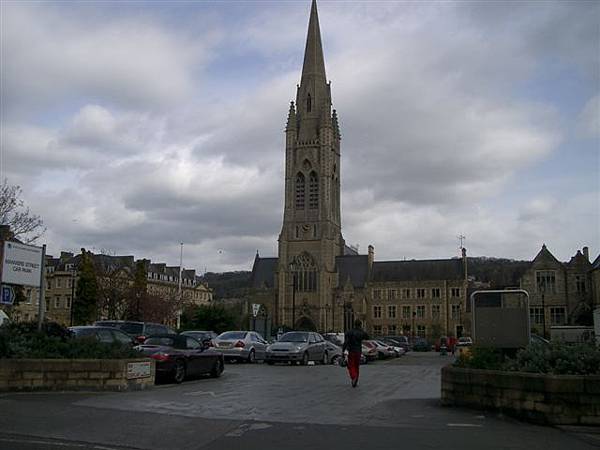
[(305, 324)]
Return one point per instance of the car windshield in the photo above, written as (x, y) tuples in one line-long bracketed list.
[(131, 328), (233, 335), (166, 341), (294, 337)]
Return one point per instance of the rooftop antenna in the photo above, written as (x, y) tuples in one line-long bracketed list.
[(462, 239)]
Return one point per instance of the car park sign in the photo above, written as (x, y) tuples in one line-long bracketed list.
[(255, 309), (7, 295), (21, 264)]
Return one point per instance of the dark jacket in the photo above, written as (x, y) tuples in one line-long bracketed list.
[(353, 340)]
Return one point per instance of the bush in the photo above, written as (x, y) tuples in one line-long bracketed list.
[(555, 359), (22, 340)]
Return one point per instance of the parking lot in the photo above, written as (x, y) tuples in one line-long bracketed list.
[(261, 406)]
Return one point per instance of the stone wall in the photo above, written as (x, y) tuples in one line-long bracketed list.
[(550, 399), (76, 374)]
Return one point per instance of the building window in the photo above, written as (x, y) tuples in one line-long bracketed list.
[(47, 305), (580, 284), (406, 293), (377, 294), (455, 292), (536, 316), (455, 312), (57, 302), (546, 281), (313, 186), (435, 311), (58, 283), (48, 285), (420, 293), (406, 312), (315, 231), (377, 312), (308, 103), (435, 293), (558, 316), (391, 311), (304, 273), (392, 330), (68, 302), (392, 294), (300, 191), (297, 231), (421, 331), (377, 330), (420, 311)]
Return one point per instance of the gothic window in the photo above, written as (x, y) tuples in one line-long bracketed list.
[(313, 199), (300, 191), (308, 103), (546, 281), (304, 273)]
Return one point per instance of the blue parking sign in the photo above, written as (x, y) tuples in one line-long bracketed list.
[(8, 295)]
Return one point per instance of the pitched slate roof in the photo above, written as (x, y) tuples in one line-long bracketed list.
[(355, 267), (500, 273), (418, 270), (263, 272)]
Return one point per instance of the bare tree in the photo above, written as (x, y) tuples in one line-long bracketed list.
[(24, 225)]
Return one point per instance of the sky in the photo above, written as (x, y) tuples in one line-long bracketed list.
[(134, 126)]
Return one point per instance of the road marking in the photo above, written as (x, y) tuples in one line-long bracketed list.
[(465, 425), (57, 444), (245, 427), (195, 393)]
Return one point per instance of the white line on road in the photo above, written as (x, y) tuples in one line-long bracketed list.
[(56, 444), (464, 425)]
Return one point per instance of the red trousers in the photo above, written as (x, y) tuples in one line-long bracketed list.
[(353, 364)]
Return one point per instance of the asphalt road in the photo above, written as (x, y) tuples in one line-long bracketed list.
[(261, 407)]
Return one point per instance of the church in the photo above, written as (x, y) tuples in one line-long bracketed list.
[(319, 283)]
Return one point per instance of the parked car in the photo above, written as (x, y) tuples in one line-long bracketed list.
[(384, 350), (463, 346), (398, 350), (334, 353), (178, 357), (335, 338), (201, 336), (108, 335), (241, 346), (138, 330), (369, 350), (445, 341), (363, 359), (298, 347), (402, 341), (421, 345)]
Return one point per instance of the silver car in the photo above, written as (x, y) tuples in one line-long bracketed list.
[(298, 347), (241, 346)]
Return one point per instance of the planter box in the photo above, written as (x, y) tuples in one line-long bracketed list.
[(76, 374), (549, 399)]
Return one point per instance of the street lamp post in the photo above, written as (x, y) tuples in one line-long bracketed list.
[(72, 294), (414, 314), (294, 286)]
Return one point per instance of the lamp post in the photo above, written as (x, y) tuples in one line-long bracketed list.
[(414, 315), (72, 294)]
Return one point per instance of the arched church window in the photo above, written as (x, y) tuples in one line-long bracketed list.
[(304, 273), (300, 190), (313, 191), (308, 103)]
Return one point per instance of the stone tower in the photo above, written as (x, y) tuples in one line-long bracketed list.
[(311, 235)]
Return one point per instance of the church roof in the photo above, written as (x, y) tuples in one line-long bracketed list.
[(263, 272), (418, 270), (314, 62), (355, 267)]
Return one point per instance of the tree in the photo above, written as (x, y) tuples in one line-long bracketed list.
[(24, 225), (85, 306), (211, 318), (113, 291)]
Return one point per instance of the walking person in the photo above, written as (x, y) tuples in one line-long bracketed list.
[(353, 343)]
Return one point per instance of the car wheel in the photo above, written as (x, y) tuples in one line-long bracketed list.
[(217, 369), (336, 360), (325, 360), (251, 357), (179, 372), (305, 359)]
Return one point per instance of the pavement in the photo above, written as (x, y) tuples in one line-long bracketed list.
[(277, 407)]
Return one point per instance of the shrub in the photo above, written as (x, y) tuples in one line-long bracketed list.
[(22, 340), (481, 358)]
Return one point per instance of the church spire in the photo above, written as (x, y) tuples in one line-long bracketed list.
[(314, 63)]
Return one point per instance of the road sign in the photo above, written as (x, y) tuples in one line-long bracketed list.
[(255, 309), (22, 264), (8, 295)]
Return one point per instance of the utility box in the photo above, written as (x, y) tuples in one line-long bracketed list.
[(500, 318)]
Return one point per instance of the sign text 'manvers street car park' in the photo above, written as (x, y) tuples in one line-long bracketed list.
[(21, 264)]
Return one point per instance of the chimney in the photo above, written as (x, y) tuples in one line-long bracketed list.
[(371, 257), (586, 253), (464, 260)]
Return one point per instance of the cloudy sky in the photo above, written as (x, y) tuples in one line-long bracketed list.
[(134, 126)]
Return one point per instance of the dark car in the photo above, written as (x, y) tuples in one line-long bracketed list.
[(137, 330), (421, 345), (201, 336), (103, 334), (178, 357)]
